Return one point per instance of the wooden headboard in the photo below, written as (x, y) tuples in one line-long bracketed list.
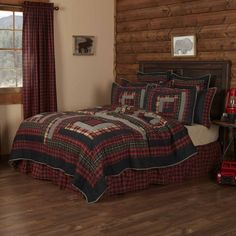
[(219, 70)]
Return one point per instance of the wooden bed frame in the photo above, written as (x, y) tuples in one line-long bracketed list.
[(219, 70)]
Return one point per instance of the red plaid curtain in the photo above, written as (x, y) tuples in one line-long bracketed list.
[(39, 78)]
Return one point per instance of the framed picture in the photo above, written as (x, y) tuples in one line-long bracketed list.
[(83, 45), (183, 46)]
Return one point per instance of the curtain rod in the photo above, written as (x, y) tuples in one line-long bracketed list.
[(18, 6)]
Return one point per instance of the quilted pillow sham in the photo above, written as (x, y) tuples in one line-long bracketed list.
[(131, 96), (203, 106), (127, 83), (154, 77), (175, 103), (201, 82)]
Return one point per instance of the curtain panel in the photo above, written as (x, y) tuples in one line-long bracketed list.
[(39, 77)]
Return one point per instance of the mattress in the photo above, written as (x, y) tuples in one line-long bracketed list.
[(202, 135)]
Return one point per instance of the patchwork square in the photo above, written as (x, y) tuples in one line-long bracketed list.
[(167, 105), (178, 104), (131, 96), (92, 131)]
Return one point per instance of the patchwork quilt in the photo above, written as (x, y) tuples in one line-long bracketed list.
[(93, 144)]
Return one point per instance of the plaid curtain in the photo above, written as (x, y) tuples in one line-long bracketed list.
[(39, 78)]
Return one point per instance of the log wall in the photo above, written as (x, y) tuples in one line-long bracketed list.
[(144, 29)]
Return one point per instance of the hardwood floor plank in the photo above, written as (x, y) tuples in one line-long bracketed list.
[(33, 207)]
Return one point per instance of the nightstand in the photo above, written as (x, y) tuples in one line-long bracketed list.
[(225, 127)]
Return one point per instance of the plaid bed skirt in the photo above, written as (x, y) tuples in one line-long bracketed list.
[(133, 180)]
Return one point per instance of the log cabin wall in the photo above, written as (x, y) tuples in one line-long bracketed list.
[(144, 29)]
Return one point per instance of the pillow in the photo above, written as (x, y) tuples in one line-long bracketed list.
[(203, 106), (176, 103), (154, 77), (201, 82), (131, 96), (127, 83)]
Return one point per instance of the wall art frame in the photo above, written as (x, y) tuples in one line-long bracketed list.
[(84, 45), (183, 45)]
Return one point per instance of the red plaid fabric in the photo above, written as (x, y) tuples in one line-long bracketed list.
[(172, 102), (131, 96), (203, 107), (134, 180), (39, 83), (201, 82), (160, 78)]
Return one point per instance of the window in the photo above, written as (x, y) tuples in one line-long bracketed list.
[(11, 23)]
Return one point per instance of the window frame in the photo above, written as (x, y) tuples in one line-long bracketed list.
[(11, 95)]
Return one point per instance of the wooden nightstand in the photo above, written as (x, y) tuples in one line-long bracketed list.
[(225, 127)]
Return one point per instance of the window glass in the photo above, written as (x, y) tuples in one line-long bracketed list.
[(18, 59), (6, 20), (18, 20), (19, 81), (11, 23), (18, 39), (8, 78), (6, 39), (7, 59)]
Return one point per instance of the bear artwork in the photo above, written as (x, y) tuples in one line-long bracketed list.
[(182, 46), (85, 47)]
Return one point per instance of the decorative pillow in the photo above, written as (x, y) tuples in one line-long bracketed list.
[(154, 77), (127, 83), (131, 96), (176, 103), (201, 82), (203, 106)]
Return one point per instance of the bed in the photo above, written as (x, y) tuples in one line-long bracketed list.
[(119, 148)]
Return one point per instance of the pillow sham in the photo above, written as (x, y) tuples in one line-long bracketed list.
[(175, 103), (201, 82), (127, 83), (203, 107), (154, 77), (131, 96)]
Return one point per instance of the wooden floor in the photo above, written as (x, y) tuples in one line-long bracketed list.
[(32, 207)]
